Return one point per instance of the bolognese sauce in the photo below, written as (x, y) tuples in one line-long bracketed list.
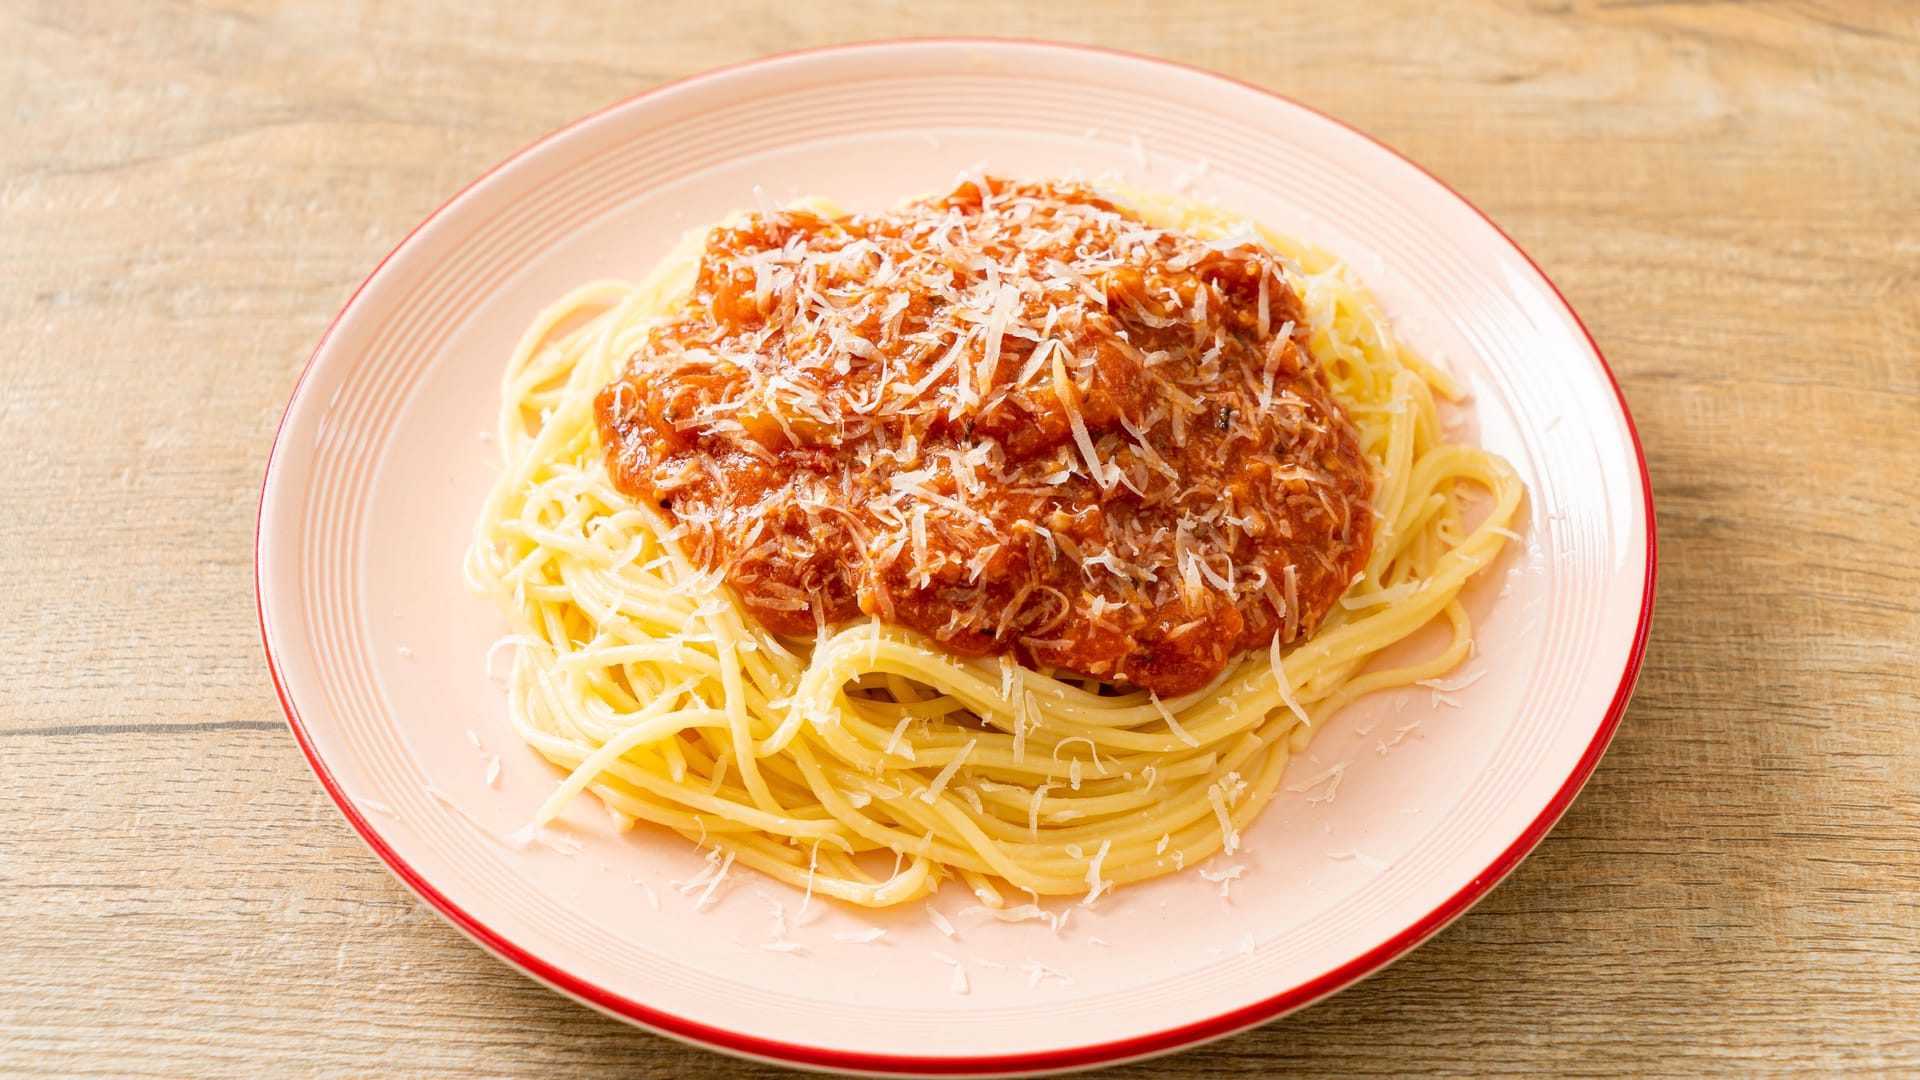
[(1014, 418)]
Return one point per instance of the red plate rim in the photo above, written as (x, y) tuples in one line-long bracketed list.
[(1105, 1053)]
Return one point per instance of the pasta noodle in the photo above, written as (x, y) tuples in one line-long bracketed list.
[(871, 766)]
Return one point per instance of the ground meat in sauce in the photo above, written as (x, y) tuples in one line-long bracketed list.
[(1014, 418)]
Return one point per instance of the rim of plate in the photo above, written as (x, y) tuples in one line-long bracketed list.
[(1097, 1054)]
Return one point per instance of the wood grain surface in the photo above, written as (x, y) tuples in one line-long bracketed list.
[(1729, 194)]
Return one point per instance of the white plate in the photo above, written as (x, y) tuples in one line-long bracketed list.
[(380, 655)]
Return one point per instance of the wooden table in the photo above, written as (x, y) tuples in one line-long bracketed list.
[(1729, 194)]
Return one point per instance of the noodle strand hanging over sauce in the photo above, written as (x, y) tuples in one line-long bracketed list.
[(1014, 419)]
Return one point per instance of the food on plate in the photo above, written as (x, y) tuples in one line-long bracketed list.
[(1017, 535)]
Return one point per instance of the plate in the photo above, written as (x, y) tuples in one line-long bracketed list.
[(1422, 801)]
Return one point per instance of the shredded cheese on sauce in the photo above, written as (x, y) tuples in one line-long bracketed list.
[(1015, 418)]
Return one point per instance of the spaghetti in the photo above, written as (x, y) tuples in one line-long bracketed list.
[(869, 764)]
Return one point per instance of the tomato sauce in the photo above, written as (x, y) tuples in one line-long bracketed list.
[(1014, 418)]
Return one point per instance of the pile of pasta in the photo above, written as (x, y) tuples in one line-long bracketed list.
[(871, 766)]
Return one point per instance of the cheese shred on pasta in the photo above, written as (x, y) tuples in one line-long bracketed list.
[(870, 765)]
